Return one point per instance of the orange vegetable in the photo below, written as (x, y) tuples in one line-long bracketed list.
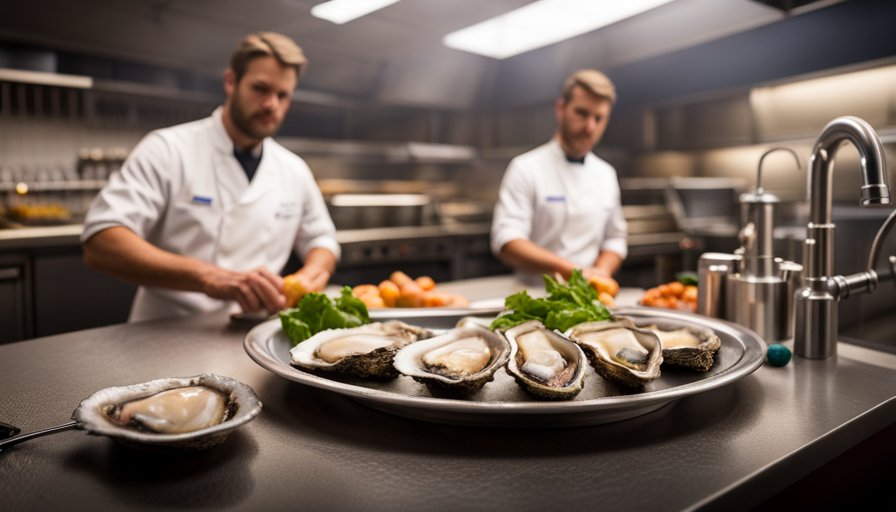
[(400, 278), (365, 289), (434, 299), (676, 289), (293, 289), (373, 301), (425, 282), (607, 299), (690, 294), (604, 285), (410, 296), (389, 292), (457, 301)]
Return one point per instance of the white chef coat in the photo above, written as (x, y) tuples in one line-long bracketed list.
[(182, 190), (568, 208)]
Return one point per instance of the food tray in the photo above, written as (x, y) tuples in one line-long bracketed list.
[(502, 403)]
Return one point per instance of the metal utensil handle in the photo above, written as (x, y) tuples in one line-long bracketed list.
[(40, 433)]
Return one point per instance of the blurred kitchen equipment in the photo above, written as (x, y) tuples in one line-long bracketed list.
[(760, 294), (816, 302), (713, 270), (362, 211)]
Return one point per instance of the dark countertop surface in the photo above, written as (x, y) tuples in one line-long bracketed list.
[(730, 448)]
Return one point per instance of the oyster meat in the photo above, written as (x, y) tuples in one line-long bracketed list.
[(365, 351), (692, 347), (456, 363), (620, 352), (175, 411), (545, 363)]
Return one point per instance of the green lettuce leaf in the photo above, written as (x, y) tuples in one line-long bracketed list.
[(566, 305), (316, 313)]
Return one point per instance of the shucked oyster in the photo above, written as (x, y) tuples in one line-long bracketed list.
[(619, 352), (456, 363), (149, 416), (692, 347), (174, 411), (545, 363), (365, 351)]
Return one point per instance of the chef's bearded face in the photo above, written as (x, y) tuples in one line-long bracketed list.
[(581, 121), (259, 101)]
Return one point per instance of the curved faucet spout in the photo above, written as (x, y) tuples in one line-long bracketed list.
[(875, 189)]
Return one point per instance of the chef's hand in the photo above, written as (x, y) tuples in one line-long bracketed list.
[(253, 290), (596, 271), (313, 277)]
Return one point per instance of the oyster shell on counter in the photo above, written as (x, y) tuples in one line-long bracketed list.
[(175, 414), (545, 363), (620, 352), (365, 351), (456, 363), (689, 346)]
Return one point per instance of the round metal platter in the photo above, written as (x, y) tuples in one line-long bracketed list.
[(501, 403)]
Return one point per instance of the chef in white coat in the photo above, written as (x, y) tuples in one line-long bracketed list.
[(558, 207), (204, 215)]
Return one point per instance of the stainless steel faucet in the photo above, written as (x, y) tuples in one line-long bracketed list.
[(816, 303)]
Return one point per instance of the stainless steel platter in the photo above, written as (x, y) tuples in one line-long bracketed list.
[(502, 403)]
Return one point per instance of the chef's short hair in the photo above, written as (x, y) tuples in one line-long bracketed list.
[(269, 44), (592, 81)]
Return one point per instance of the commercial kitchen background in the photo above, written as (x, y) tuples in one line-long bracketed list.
[(705, 87)]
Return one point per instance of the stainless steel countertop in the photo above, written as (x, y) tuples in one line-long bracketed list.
[(730, 448)]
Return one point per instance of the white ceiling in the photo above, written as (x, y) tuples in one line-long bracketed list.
[(393, 55)]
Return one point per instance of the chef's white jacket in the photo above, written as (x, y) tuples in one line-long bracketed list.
[(568, 208), (182, 190)]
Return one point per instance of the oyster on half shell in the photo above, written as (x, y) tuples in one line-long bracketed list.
[(365, 351), (456, 363), (151, 416), (689, 346), (619, 352), (545, 363)]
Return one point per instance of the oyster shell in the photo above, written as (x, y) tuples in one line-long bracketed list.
[(545, 363), (456, 363), (619, 352), (690, 346), (100, 413), (365, 351)]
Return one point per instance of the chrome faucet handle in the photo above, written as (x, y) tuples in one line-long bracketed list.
[(879, 240), (867, 281)]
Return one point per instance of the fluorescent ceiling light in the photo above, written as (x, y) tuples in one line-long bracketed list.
[(542, 23), (343, 11)]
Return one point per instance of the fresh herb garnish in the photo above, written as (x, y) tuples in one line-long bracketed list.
[(566, 305), (316, 313)]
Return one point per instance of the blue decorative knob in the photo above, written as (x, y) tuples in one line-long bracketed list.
[(778, 355)]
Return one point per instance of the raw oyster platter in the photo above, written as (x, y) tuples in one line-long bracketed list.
[(586, 386)]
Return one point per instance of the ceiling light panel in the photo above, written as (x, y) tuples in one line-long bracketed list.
[(543, 23), (343, 11)]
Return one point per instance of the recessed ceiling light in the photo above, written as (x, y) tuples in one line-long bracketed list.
[(343, 11), (542, 23)]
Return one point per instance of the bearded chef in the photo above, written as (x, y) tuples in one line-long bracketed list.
[(204, 215), (558, 207)]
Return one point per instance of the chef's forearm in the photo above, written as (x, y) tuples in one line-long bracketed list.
[(119, 252), (320, 258), (526, 256), (608, 261)]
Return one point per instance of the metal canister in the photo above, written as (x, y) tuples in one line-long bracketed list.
[(712, 271)]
